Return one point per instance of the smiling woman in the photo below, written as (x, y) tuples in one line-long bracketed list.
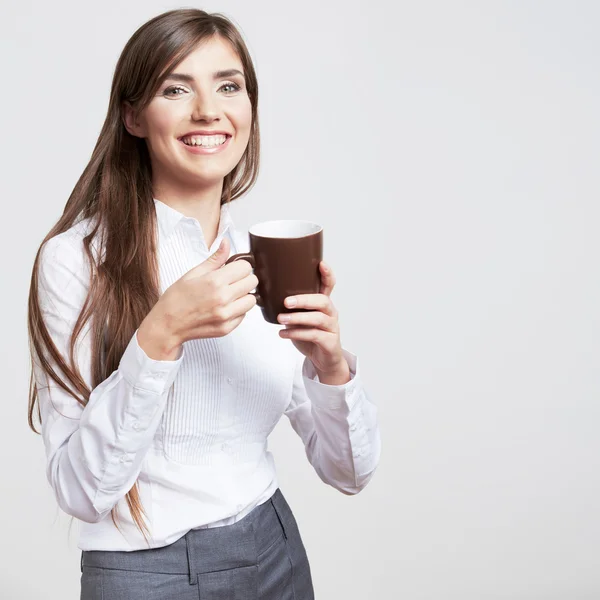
[(212, 90), (156, 386)]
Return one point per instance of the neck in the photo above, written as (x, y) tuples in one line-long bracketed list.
[(201, 203)]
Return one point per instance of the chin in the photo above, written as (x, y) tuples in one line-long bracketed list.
[(207, 177)]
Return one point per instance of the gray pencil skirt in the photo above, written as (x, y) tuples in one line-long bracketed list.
[(261, 557)]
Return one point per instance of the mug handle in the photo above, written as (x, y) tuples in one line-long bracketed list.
[(250, 258)]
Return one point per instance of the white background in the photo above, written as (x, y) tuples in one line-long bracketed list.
[(451, 151)]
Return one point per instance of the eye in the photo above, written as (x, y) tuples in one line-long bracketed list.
[(172, 89), (230, 84)]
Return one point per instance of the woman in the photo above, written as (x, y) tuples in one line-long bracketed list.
[(156, 378)]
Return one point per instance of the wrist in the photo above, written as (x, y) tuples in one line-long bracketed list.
[(338, 376), (157, 339)]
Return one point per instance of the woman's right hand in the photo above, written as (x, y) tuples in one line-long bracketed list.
[(210, 300)]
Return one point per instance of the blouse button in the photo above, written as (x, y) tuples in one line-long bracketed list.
[(123, 458), (229, 380), (353, 427), (357, 453), (136, 425)]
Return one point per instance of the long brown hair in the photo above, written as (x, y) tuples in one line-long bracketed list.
[(115, 192)]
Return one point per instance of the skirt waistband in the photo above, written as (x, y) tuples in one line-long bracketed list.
[(205, 550)]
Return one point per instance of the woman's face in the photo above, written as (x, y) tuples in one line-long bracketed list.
[(201, 96)]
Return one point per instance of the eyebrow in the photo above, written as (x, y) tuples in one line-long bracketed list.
[(216, 75)]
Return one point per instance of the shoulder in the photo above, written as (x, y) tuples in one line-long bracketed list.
[(67, 248), (63, 257)]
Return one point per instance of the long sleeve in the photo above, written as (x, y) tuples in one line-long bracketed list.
[(94, 453), (338, 426)]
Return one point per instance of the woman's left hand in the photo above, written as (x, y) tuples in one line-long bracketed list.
[(316, 334)]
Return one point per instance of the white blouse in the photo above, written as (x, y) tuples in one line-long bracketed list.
[(193, 430)]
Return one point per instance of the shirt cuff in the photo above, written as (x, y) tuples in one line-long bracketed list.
[(332, 396), (143, 372)]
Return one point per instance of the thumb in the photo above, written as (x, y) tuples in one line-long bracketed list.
[(217, 259)]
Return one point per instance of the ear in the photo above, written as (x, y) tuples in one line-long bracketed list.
[(131, 121)]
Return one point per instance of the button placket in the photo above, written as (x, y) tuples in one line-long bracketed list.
[(228, 402)]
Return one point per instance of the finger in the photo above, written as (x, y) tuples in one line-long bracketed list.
[(320, 302), (327, 279), (302, 334), (238, 308), (243, 286), (233, 272), (315, 319)]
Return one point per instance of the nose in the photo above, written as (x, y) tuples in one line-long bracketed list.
[(205, 107)]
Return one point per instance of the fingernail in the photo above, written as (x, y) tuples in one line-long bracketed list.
[(289, 302)]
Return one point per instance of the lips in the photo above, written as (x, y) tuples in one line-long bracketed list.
[(207, 141), (204, 132), (199, 149)]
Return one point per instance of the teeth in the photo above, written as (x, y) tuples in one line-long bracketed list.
[(204, 140)]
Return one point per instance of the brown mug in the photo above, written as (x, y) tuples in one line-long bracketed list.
[(285, 256)]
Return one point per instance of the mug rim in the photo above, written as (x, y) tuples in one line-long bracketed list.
[(296, 237)]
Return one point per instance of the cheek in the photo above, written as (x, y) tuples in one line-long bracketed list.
[(242, 118), (162, 122)]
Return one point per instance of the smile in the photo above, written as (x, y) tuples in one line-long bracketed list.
[(205, 144), (206, 141)]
